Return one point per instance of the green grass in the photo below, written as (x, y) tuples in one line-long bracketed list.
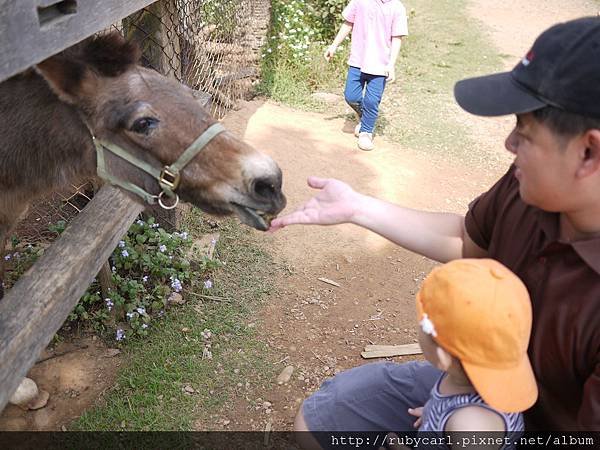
[(444, 46), (148, 394), (292, 84)]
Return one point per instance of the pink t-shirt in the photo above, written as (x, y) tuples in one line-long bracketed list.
[(374, 24)]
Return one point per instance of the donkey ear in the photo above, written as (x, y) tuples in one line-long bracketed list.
[(110, 54), (68, 78)]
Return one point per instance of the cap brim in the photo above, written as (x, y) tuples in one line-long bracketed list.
[(508, 390), (495, 95)]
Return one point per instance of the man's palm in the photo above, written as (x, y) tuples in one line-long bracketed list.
[(332, 205)]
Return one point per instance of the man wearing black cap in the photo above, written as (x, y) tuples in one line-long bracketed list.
[(541, 219)]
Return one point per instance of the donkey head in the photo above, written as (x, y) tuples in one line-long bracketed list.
[(155, 119)]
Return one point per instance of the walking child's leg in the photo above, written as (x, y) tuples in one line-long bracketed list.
[(370, 104), (353, 92)]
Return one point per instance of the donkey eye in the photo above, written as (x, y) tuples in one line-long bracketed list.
[(144, 125)]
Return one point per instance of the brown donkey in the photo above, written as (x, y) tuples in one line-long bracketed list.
[(50, 116)]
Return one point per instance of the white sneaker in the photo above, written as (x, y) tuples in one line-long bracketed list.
[(357, 130), (365, 141)]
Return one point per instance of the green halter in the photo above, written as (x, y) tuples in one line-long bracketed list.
[(168, 176)]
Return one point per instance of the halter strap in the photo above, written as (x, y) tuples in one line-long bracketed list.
[(168, 176)]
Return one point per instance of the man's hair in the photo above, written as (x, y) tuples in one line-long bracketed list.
[(563, 123)]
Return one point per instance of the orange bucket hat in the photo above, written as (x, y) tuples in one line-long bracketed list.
[(480, 312)]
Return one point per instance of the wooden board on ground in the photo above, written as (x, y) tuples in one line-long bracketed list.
[(385, 351)]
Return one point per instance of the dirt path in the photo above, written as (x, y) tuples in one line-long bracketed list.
[(321, 329)]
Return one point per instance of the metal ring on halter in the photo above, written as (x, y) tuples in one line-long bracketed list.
[(163, 206)]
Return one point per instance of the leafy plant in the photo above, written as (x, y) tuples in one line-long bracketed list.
[(293, 63), (148, 266)]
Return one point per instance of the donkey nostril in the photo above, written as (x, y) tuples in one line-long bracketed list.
[(264, 188)]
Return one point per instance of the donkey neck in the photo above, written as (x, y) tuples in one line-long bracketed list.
[(46, 145)]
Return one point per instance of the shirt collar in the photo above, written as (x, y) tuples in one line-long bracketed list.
[(587, 249)]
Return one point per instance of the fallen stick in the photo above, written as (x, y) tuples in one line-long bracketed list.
[(58, 355), (328, 281), (210, 297)]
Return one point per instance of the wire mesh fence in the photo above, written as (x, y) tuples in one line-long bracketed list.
[(212, 46)]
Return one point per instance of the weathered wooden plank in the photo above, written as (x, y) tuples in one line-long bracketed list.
[(35, 308), (384, 351), (32, 30)]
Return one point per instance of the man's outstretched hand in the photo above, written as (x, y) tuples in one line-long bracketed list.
[(335, 203)]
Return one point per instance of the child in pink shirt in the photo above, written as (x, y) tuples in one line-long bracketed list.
[(377, 29)]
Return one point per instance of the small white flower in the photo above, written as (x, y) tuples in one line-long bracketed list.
[(427, 326), (145, 278), (130, 315), (206, 334), (140, 222), (144, 326), (141, 310), (162, 248), (122, 244), (120, 335), (208, 284), (124, 253)]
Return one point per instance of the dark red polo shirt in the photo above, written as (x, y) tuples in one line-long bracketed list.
[(563, 280)]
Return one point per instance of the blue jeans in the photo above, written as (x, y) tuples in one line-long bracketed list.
[(363, 93), (371, 397)]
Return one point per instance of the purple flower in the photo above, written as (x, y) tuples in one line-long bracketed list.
[(208, 284), (124, 253), (109, 303), (7, 257), (176, 284), (162, 248), (141, 310), (145, 278), (120, 335)]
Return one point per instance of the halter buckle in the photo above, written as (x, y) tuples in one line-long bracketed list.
[(168, 178)]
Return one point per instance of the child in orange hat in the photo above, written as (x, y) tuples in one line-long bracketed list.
[(475, 322)]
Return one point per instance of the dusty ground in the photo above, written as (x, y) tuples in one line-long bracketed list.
[(318, 328), (75, 375)]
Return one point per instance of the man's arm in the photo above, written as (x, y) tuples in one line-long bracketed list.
[(394, 52), (439, 236), (345, 29)]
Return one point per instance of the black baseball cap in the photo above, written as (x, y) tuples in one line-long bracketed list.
[(562, 69)]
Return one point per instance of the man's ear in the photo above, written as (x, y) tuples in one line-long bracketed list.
[(444, 359), (590, 158), (68, 78)]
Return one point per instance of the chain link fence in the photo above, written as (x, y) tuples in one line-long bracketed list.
[(212, 46)]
